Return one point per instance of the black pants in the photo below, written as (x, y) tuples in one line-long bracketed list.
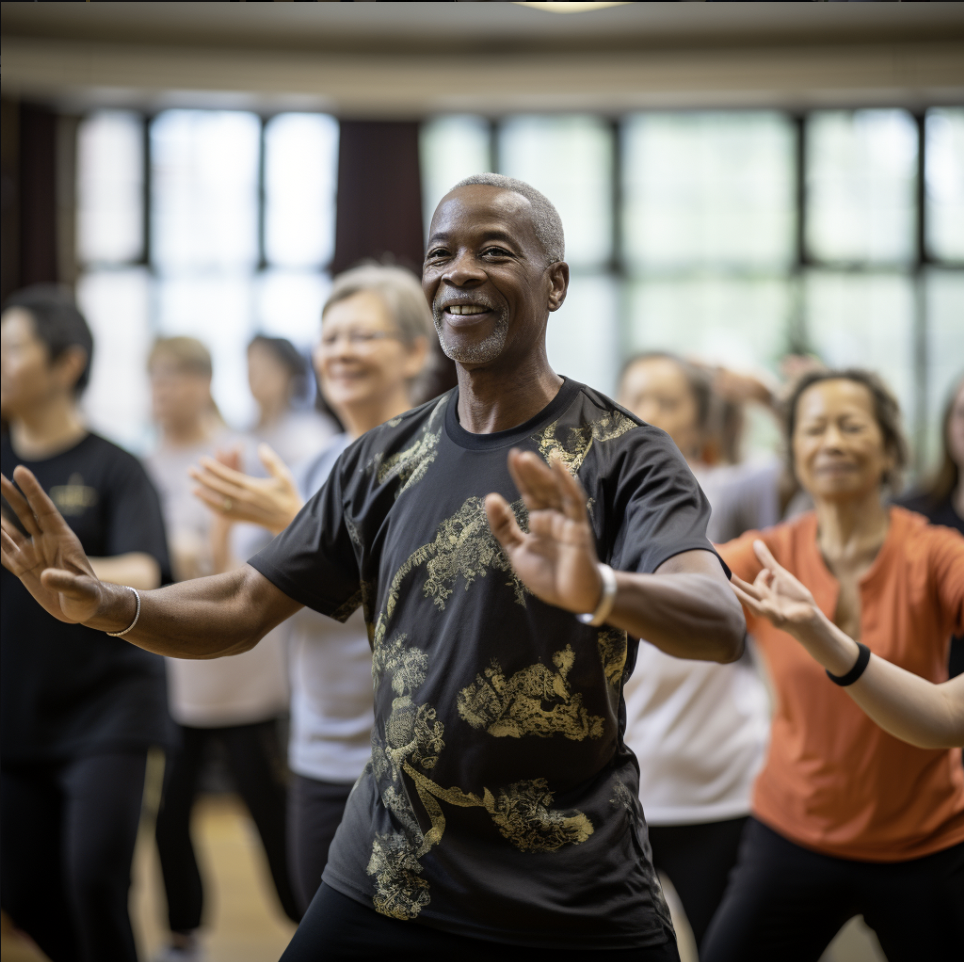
[(698, 859), (786, 902), (259, 770), (337, 928), (67, 836), (315, 809)]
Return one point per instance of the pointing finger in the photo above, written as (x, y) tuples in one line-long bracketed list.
[(765, 557)]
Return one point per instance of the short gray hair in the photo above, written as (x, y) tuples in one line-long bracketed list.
[(400, 291), (545, 218)]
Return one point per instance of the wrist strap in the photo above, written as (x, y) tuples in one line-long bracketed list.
[(137, 614), (863, 659), (607, 600)]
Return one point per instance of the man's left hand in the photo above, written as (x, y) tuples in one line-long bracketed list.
[(556, 559)]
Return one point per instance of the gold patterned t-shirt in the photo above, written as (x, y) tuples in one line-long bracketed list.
[(501, 802)]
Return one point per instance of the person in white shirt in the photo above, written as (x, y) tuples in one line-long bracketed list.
[(698, 729), (372, 355), (237, 702)]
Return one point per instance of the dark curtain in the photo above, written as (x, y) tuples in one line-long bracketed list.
[(379, 211), (29, 198), (38, 195)]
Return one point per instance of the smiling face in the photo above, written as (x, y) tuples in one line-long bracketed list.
[(361, 359), (839, 451), (486, 277)]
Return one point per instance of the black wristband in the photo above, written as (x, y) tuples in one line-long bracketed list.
[(863, 659)]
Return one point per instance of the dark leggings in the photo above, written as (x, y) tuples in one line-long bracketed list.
[(786, 902), (256, 761), (67, 835), (337, 928), (315, 809), (697, 859)]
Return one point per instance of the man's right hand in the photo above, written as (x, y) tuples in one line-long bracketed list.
[(48, 559)]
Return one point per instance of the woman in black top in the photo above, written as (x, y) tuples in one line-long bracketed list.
[(79, 709)]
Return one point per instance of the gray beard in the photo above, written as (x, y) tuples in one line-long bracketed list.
[(488, 350)]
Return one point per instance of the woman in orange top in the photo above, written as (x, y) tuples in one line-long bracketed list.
[(847, 819), (902, 703)]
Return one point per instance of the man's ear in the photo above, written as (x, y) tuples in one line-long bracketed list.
[(558, 275), (70, 365)]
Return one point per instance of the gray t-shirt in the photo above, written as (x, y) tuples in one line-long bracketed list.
[(501, 802)]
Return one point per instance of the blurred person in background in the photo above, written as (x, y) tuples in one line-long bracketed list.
[(375, 337), (941, 497), (847, 819), (80, 709), (237, 702), (698, 730), (279, 378)]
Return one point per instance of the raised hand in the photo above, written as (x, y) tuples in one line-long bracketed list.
[(776, 594), (48, 559), (271, 502), (556, 559)]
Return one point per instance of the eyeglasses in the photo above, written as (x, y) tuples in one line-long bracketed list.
[(358, 339)]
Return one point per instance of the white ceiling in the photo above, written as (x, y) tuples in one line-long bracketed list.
[(411, 59)]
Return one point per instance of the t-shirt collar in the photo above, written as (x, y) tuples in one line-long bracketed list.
[(498, 439)]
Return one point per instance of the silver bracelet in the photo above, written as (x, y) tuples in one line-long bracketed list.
[(607, 600), (137, 614)]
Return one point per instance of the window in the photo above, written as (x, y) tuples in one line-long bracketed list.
[(736, 236), (216, 224)]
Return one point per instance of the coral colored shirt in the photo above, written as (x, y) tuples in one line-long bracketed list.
[(833, 780)]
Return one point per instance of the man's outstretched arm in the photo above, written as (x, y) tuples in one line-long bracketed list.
[(206, 618), (685, 609)]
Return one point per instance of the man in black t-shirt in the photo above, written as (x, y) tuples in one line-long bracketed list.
[(500, 804), (80, 711)]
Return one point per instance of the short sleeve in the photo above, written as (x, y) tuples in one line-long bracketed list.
[(313, 560), (659, 505), (134, 519), (740, 556)]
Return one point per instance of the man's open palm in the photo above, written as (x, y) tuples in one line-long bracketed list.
[(48, 559), (556, 559)]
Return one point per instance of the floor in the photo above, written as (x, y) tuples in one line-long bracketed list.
[(245, 922)]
